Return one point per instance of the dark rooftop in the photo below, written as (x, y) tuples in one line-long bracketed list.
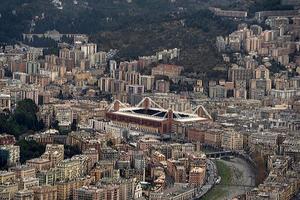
[(157, 113)]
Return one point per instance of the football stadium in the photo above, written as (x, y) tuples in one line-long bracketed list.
[(150, 117)]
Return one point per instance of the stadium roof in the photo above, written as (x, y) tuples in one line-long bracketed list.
[(148, 109)]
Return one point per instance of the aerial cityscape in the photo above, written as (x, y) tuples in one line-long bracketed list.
[(150, 100)]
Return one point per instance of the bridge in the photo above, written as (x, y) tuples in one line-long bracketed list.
[(227, 153), (219, 154)]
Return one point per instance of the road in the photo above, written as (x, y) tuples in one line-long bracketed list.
[(211, 177)]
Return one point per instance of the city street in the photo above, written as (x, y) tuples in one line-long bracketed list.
[(211, 177)]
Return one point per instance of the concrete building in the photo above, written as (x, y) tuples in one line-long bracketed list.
[(221, 44), (6, 139), (5, 102), (39, 164), (217, 91), (253, 44), (24, 195), (237, 73), (33, 67), (90, 193), (232, 140), (7, 177), (167, 70), (228, 13), (70, 169), (89, 49), (13, 153), (162, 86), (54, 153), (134, 89), (65, 188), (45, 192), (93, 154), (197, 176), (24, 171), (28, 183), (213, 137), (263, 142), (147, 82)]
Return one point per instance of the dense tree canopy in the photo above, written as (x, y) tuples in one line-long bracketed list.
[(30, 149), (23, 118), (4, 156), (71, 151), (260, 5)]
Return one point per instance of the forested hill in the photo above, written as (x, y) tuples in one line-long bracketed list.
[(91, 16), (84, 16), (135, 27)]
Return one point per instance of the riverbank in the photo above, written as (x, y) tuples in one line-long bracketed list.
[(237, 177)]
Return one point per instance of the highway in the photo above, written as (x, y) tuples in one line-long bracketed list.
[(211, 177)]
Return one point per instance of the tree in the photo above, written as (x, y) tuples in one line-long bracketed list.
[(25, 114), (3, 158), (74, 125), (60, 95), (27, 105), (7, 73), (41, 124), (3, 125), (30, 149), (24, 118), (55, 124), (109, 143), (71, 151), (260, 5)]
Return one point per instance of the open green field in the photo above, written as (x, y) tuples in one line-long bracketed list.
[(219, 191)]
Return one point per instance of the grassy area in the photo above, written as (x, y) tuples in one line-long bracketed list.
[(225, 172), (220, 191)]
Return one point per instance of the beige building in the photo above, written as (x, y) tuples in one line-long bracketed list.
[(49, 177), (65, 189), (253, 44), (39, 164), (213, 137), (90, 192), (8, 190), (146, 143), (24, 171), (54, 153), (158, 157), (147, 82), (45, 192), (24, 195), (263, 142), (69, 169), (7, 177), (28, 183), (232, 140), (167, 70), (197, 176), (5, 102), (93, 154)]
